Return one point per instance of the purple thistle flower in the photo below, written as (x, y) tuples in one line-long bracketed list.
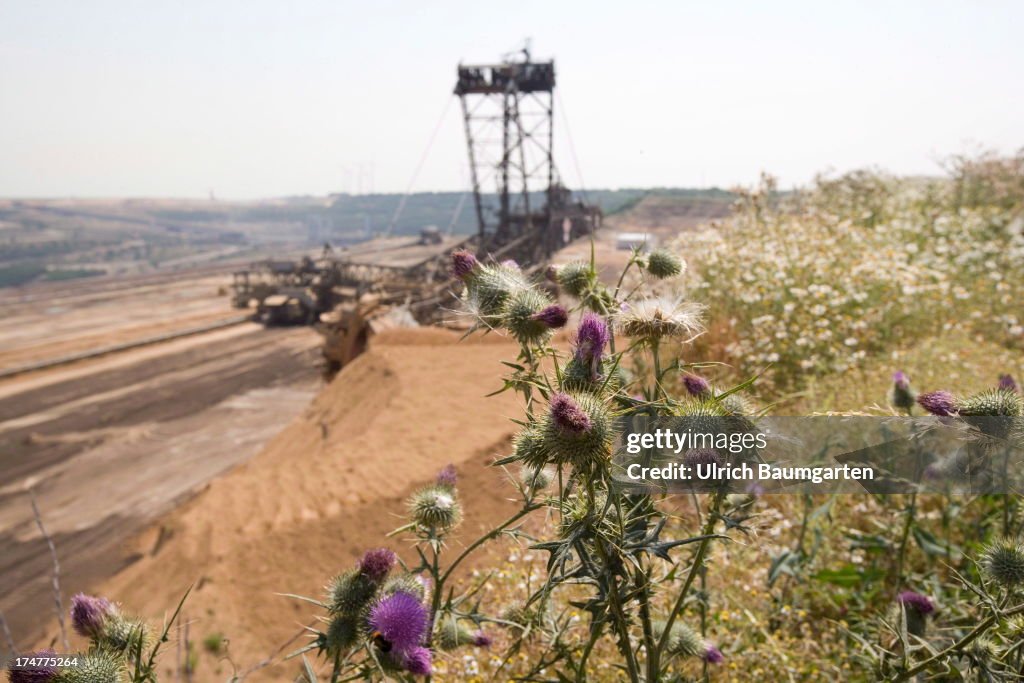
[(375, 564), (696, 385), (447, 477), (88, 614), (591, 338), (463, 263), (417, 661), (40, 674), (900, 379), (510, 263), (481, 639), (1007, 383), (400, 620), (921, 604), (712, 655), (568, 415), (553, 316), (941, 403)]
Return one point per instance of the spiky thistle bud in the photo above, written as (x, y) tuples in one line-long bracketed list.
[(350, 592), (398, 622), (1007, 383), (375, 564), (683, 641), (982, 649), (489, 287), (529, 447), (452, 634), (941, 403), (575, 278), (463, 263), (521, 316), (447, 477), (696, 385), (536, 478), (577, 429), (992, 403), (1003, 562), (901, 395), (413, 584), (121, 634), (554, 316), (662, 263), (99, 666), (40, 674), (917, 607), (343, 632), (89, 613), (436, 508)]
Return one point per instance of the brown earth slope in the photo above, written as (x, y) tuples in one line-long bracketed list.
[(328, 486)]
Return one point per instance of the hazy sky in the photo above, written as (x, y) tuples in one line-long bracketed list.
[(259, 98)]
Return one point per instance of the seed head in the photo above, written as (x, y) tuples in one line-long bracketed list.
[(941, 403), (653, 319), (489, 289), (662, 263), (40, 674), (463, 263), (400, 620), (696, 385), (1003, 562), (89, 613), (375, 564)]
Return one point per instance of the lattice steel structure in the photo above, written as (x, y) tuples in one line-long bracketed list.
[(508, 110)]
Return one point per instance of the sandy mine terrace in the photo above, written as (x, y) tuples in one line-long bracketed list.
[(111, 443)]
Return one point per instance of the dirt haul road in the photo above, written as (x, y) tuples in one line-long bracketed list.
[(109, 444)]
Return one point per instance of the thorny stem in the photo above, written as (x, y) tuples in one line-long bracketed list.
[(698, 561), (908, 523), (621, 623), (595, 635), (958, 645)]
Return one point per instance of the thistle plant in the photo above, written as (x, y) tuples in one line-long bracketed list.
[(121, 648)]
